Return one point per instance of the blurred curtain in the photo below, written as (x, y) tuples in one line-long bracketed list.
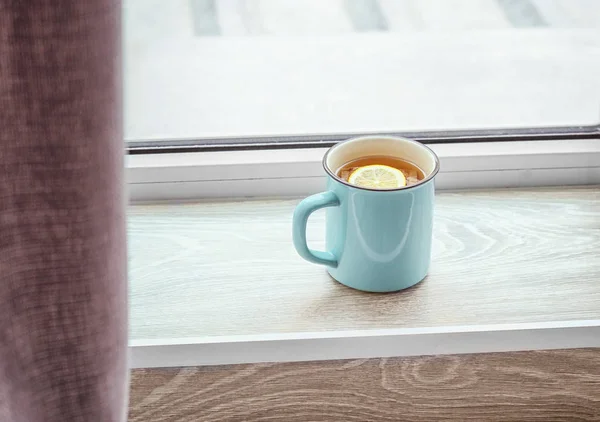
[(63, 292)]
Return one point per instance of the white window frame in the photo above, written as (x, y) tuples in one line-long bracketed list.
[(168, 81), (298, 172)]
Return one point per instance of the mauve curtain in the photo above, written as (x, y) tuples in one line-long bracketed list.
[(63, 291)]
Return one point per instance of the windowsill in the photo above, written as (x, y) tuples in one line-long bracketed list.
[(220, 283)]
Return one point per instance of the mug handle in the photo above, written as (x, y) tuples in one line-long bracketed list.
[(304, 209)]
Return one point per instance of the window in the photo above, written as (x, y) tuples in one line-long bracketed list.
[(231, 74)]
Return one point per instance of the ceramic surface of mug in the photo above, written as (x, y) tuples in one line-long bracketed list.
[(376, 240)]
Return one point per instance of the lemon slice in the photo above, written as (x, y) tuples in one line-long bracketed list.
[(377, 176)]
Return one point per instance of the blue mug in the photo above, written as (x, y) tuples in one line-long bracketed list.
[(376, 240)]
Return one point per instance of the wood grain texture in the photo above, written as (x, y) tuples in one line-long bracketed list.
[(503, 256), (524, 386)]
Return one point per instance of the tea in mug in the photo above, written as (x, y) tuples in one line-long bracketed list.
[(380, 172)]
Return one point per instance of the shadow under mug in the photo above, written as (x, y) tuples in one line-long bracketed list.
[(376, 240)]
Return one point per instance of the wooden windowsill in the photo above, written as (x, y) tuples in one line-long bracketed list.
[(219, 283)]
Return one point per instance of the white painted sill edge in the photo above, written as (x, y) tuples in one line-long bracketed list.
[(295, 172), (399, 342)]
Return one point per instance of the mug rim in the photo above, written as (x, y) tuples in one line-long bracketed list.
[(398, 138)]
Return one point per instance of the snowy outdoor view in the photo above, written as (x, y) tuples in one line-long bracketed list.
[(213, 68)]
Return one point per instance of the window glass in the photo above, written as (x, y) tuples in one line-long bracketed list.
[(211, 69)]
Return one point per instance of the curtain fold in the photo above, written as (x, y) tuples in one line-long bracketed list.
[(63, 290)]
